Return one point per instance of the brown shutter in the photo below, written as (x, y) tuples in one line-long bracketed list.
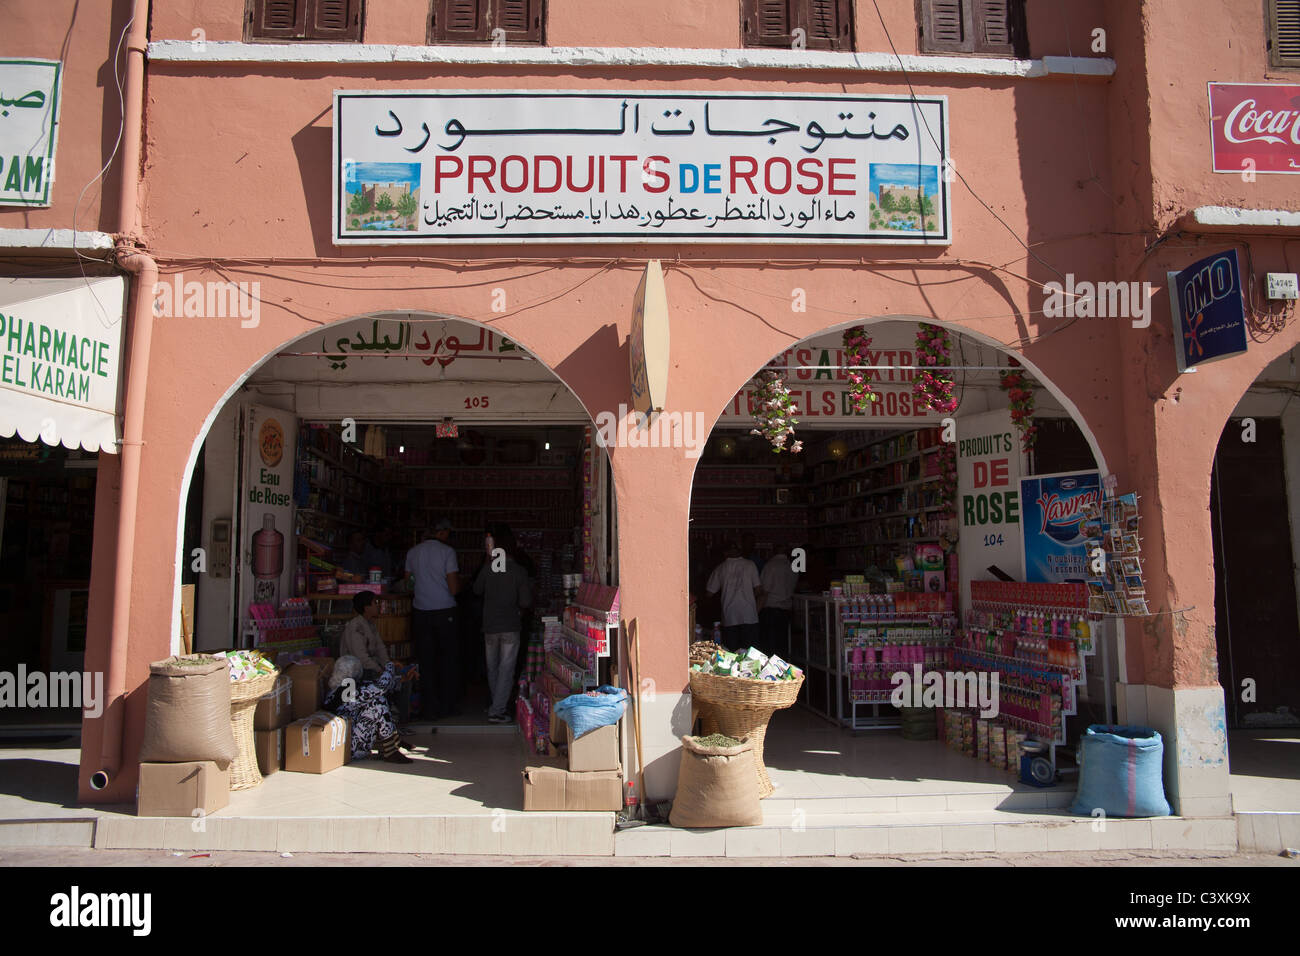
[(946, 26), (521, 19), (459, 21), (829, 24), (1284, 33), (277, 19), (338, 20), (768, 22), (999, 27)]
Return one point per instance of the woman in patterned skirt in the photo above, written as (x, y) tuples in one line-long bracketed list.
[(365, 706)]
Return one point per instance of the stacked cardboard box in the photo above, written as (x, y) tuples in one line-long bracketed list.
[(191, 789), (318, 743), (273, 713), (593, 779)]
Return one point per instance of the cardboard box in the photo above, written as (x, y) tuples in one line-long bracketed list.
[(179, 789), (270, 750), (275, 710), (594, 751), (317, 744), (554, 788), (559, 730), (309, 685)]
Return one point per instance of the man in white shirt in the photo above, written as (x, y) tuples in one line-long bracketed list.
[(779, 581), (737, 579), (432, 564)]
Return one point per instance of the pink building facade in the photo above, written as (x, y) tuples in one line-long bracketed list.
[(1088, 158)]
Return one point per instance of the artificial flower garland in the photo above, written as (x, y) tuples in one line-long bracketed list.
[(934, 350), (856, 343), (1017, 386), (774, 413)]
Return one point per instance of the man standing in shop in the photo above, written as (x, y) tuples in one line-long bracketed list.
[(737, 579), (779, 580), (432, 565)]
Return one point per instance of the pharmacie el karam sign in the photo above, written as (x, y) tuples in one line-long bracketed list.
[(680, 167)]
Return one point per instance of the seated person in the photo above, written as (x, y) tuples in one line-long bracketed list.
[(361, 638), (364, 704)]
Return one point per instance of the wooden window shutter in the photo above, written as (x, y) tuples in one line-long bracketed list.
[(768, 22), (459, 21), (277, 19), (1284, 33), (338, 20), (829, 24), (474, 21), (1000, 28), (946, 26), (521, 19)]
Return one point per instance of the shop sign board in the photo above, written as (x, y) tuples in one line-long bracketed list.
[(1255, 127), (988, 498), (648, 343), (266, 529), (1209, 313), (814, 373), (29, 126), (60, 354), (1055, 532), (546, 166)]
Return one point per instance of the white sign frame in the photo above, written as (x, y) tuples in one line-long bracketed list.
[(406, 161), (37, 132)]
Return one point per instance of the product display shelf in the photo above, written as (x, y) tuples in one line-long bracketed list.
[(873, 650), (1021, 633), (873, 472), (814, 639)]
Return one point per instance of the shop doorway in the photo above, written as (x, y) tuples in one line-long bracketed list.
[(873, 512), (47, 519), (346, 449)]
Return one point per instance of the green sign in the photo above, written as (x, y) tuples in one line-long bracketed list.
[(29, 126)]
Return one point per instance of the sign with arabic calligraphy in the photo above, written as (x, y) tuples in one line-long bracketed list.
[(659, 167), (1255, 127), (29, 120), (1209, 315), (428, 348)]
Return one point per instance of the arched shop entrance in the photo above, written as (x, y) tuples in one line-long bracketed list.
[(343, 450), (915, 543), (1257, 626)]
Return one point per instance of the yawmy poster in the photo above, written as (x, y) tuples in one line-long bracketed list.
[(1055, 524)]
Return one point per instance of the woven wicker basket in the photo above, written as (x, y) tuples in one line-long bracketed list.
[(244, 696), (740, 707)]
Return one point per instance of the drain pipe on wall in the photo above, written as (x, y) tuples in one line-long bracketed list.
[(145, 273)]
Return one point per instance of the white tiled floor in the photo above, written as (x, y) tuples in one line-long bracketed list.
[(836, 793)]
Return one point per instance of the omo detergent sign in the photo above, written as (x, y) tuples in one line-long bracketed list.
[(1209, 315), (502, 166), (1052, 524)]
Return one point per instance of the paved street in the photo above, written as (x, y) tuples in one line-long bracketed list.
[(74, 857)]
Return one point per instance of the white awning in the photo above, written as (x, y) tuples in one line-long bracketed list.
[(60, 355)]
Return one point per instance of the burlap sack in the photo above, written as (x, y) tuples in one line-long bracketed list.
[(717, 787), (187, 716)]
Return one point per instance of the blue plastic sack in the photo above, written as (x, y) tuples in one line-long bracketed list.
[(585, 714), (1121, 771)]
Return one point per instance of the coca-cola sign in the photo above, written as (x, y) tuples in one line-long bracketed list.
[(1255, 127)]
